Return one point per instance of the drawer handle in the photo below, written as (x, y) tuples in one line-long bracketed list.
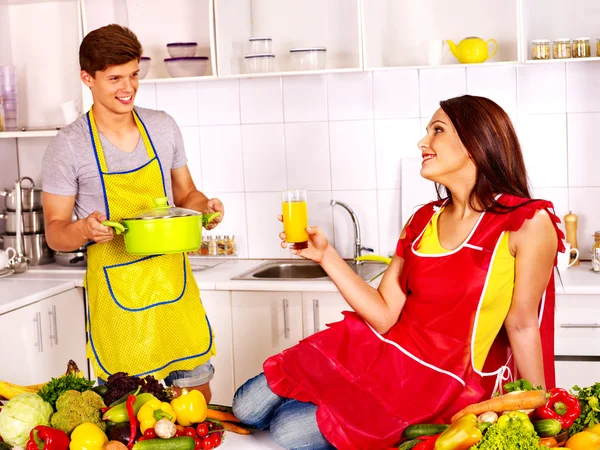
[(38, 320), (286, 321), (316, 315), (52, 316), (580, 325)]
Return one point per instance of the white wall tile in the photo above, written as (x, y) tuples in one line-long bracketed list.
[(541, 88), (262, 210), (191, 141), (543, 140), (395, 94), (440, 84), (305, 98), (583, 87), (222, 158), (583, 149), (364, 204), (352, 146), (498, 83), (307, 150), (416, 190), (584, 203), (261, 100), (320, 212), (180, 101), (389, 204), (218, 102), (234, 220), (395, 139), (350, 96), (146, 96), (264, 157)]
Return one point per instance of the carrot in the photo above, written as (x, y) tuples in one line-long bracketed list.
[(235, 428), (221, 416), (512, 401)]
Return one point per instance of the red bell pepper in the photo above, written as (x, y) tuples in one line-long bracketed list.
[(46, 438), (427, 443), (561, 406)]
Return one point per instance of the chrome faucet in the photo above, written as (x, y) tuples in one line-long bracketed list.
[(358, 248)]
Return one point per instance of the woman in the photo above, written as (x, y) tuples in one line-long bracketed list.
[(472, 272)]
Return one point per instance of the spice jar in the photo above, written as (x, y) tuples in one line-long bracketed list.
[(212, 246), (561, 49), (598, 47), (221, 245), (230, 244), (596, 253), (581, 48), (540, 49), (204, 246)]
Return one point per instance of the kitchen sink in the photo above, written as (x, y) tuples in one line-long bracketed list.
[(307, 270)]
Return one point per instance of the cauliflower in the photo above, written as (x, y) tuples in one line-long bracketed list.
[(74, 408)]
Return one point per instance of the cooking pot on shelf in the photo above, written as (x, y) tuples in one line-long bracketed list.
[(162, 229), (76, 258), (31, 198), (34, 247), (33, 222)]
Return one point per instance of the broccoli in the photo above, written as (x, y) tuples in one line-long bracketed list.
[(74, 408)]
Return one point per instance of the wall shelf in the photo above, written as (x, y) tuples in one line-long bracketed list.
[(28, 134)]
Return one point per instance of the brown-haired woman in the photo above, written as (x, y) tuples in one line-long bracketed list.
[(472, 273)]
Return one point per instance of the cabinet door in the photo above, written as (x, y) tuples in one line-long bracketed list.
[(218, 309), (580, 373), (264, 323), (321, 308)]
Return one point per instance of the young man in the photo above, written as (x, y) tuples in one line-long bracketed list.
[(145, 315)]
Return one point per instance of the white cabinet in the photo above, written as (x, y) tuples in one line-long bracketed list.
[(580, 373), (264, 323), (218, 309), (38, 340), (320, 309)]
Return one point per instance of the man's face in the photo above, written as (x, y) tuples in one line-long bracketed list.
[(115, 87)]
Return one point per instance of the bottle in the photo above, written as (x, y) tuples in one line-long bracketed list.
[(596, 253), (204, 246), (571, 228), (212, 246), (230, 244), (221, 245), (2, 114)]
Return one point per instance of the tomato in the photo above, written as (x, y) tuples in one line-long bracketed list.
[(189, 431), (150, 433), (202, 430), (216, 439), (143, 438), (207, 444), (179, 433), (198, 443)]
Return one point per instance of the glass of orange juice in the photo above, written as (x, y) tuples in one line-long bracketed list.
[(295, 218)]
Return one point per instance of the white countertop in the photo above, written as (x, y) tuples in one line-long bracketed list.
[(40, 282)]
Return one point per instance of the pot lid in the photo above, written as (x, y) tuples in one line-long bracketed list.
[(162, 210)]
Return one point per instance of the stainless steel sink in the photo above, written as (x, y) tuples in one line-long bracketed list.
[(306, 270)]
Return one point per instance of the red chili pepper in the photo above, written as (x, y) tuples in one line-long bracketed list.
[(427, 443), (561, 406), (132, 420), (46, 438)]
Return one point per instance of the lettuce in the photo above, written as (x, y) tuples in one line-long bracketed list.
[(20, 414)]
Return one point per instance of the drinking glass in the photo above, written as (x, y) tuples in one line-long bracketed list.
[(295, 218)]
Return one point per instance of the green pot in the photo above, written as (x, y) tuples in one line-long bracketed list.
[(162, 229)]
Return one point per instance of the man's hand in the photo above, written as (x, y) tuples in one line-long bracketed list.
[(214, 205), (93, 230)]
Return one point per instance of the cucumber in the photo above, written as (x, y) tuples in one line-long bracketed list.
[(408, 445), (547, 427), (418, 430), (222, 408), (174, 443)]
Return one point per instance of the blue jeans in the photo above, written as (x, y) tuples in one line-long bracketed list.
[(293, 424)]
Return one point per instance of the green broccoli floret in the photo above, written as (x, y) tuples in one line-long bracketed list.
[(74, 408)]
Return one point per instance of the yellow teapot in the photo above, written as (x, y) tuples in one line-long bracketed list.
[(472, 50)]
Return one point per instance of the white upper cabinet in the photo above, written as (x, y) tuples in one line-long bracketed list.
[(291, 24)]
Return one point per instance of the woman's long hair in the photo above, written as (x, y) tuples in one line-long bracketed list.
[(487, 133)]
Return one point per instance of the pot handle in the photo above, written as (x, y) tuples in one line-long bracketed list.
[(207, 218), (119, 228)]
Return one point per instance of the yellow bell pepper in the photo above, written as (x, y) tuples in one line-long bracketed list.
[(87, 436), (461, 435), (152, 411), (190, 407)]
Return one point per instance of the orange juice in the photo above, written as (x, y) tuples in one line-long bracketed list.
[(295, 221)]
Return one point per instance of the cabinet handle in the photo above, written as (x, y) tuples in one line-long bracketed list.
[(38, 320), (286, 320), (316, 315), (52, 316), (580, 325)]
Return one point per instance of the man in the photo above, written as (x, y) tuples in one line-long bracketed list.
[(145, 315)]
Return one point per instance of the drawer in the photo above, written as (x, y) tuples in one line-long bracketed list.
[(580, 373), (577, 325)]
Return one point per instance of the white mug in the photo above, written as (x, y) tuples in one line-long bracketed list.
[(71, 111), (435, 51), (5, 257), (563, 260)]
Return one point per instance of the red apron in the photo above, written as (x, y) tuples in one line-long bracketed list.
[(369, 387)]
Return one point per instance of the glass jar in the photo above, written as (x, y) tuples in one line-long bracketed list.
[(561, 49), (212, 246), (596, 252), (598, 47), (220, 245), (581, 48), (204, 246), (230, 244), (540, 49)]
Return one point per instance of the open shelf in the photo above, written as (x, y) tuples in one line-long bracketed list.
[(566, 60), (28, 134), (334, 24)]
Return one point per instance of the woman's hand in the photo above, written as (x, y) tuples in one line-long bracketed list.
[(317, 243)]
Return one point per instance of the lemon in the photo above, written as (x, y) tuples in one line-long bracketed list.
[(584, 440)]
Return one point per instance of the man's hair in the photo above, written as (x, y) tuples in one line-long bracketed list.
[(111, 45)]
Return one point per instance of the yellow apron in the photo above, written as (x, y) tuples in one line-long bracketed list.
[(145, 316)]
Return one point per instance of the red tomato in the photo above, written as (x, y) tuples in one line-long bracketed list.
[(198, 443), (202, 430), (189, 431), (150, 433), (216, 439), (179, 433), (207, 444)]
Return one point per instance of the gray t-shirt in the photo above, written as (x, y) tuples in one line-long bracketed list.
[(69, 166)]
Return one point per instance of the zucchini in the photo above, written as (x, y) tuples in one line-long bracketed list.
[(175, 443), (418, 430), (547, 427), (222, 408), (408, 445)]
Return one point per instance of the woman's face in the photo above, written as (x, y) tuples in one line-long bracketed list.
[(445, 158)]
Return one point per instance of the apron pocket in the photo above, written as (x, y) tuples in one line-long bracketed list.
[(147, 282)]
